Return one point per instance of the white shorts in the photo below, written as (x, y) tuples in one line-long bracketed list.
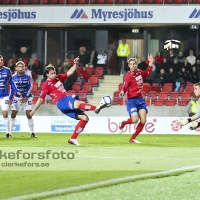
[(4, 102), (17, 105)]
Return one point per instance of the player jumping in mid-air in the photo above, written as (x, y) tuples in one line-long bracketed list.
[(193, 124), (5, 80), (68, 105), (136, 106), (21, 90)]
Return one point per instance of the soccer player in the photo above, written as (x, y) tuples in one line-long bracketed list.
[(68, 105), (136, 106), (5, 80), (193, 124), (21, 91)]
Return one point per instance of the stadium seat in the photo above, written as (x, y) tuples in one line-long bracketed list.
[(52, 102), (89, 71), (76, 86), (87, 87), (71, 92), (148, 1), (120, 86), (110, 1), (146, 87), (143, 94), (115, 101), (182, 103), (44, 1), (34, 100), (178, 1), (174, 95), (94, 80), (82, 1), (186, 96), (156, 88), (159, 1), (5, 2), (82, 95), (92, 1), (189, 1), (189, 88), (123, 102), (41, 84), (148, 102), (129, 1), (163, 96), (35, 83), (158, 103), (170, 103), (181, 89), (140, 1), (37, 93), (167, 87), (14, 2), (34, 2), (34, 88), (100, 1), (99, 71), (53, 2), (71, 1), (197, 1), (79, 70), (24, 2), (168, 1), (152, 95), (119, 1)]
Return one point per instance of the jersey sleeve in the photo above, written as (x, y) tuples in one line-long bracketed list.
[(62, 77), (147, 72), (126, 83), (13, 90), (44, 91), (30, 86)]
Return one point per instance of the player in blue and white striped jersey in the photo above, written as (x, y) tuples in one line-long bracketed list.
[(5, 80), (22, 96)]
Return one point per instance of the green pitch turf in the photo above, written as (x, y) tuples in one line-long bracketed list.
[(100, 158)]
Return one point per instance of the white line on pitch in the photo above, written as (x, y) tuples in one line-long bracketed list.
[(103, 183)]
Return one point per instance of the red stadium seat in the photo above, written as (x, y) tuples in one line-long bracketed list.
[(182, 103), (110, 1), (149, 1), (92, 1), (34, 1), (76, 86), (163, 96), (181, 89), (115, 101), (152, 95), (82, 1), (168, 1), (189, 1), (197, 1), (89, 71), (146, 87), (158, 103), (71, 92), (140, 1), (148, 102), (99, 71), (159, 1), (119, 1), (116, 95), (44, 1), (189, 88), (34, 100), (143, 94), (100, 1), (52, 102), (82, 95), (87, 87), (174, 95), (94, 80), (52, 1), (35, 83), (14, 2), (186, 96), (35, 88), (170, 103), (41, 84), (71, 1), (24, 2), (167, 87), (5, 2), (120, 86), (122, 102), (37, 93), (79, 70), (156, 88), (178, 1), (129, 1), (62, 1)]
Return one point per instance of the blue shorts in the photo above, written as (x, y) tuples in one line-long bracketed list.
[(135, 104), (66, 106)]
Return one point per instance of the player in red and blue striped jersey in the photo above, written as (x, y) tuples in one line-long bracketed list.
[(136, 106)]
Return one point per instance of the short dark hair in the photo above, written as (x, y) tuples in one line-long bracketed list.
[(197, 84), (49, 68), (1, 56)]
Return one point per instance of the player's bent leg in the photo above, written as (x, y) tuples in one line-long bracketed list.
[(132, 120), (30, 124), (79, 127), (83, 106), (142, 115), (6, 123)]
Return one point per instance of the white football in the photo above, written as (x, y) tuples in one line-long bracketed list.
[(107, 100)]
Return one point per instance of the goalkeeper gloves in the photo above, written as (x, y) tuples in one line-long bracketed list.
[(193, 125), (183, 121)]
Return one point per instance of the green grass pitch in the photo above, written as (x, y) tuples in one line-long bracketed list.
[(103, 157)]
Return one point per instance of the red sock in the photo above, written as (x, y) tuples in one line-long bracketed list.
[(79, 127), (138, 130), (128, 121), (86, 106)]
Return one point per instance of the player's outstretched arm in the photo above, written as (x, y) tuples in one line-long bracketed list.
[(37, 105), (74, 67)]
